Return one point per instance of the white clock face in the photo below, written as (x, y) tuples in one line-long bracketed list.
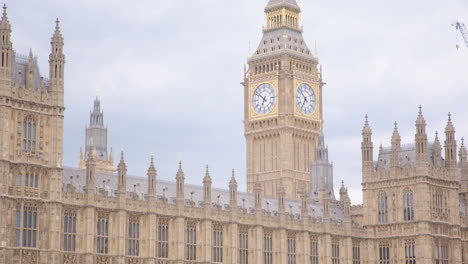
[(264, 98), (305, 99)]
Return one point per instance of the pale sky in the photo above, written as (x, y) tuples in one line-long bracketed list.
[(169, 75)]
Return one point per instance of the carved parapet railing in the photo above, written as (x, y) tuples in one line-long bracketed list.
[(29, 256), (70, 258), (130, 260), (164, 261), (100, 259)]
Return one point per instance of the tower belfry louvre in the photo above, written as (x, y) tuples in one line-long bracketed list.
[(415, 196), (282, 104)]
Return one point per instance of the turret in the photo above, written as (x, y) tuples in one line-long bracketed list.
[(367, 150), (281, 199), (463, 166), (450, 147), (152, 181), (258, 196), (233, 192), (207, 189), (344, 198), (180, 182), (6, 49), (57, 64), (304, 204), (122, 174), (421, 141), (437, 152), (31, 71), (90, 174), (395, 150)]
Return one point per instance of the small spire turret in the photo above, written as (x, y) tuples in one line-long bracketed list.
[(450, 146), (421, 141), (233, 191), (180, 183), (152, 173), (207, 188), (122, 174), (395, 150), (437, 153), (367, 150)]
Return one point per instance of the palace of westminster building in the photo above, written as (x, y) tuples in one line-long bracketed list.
[(415, 197)]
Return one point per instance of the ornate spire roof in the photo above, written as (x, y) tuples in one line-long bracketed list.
[(180, 172), (436, 141), (396, 136), (122, 165), (151, 169), (207, 178), (57, 37), (273, 4), (449, 128), (282, 33), (233, 181), (366, 129), (463, 154), (5, 23), (420, 120)]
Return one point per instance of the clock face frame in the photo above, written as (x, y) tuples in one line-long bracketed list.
[(264, 98), (305, 99)]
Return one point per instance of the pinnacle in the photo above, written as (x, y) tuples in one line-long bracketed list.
[(4, 10), (449, 127), (366, 129), (420, 120)]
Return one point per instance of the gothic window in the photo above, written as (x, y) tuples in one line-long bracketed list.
[(17, 225), (26, 226), (268, 248), (30, 180), (29, 135), (191, 241), (408, 207), (69, 231), (335, 251), (218, 243), (313, 250), (382, 208), (163, 238), (441, 252), (291, 249), (410, 254), (133, 236), (356, 252), (384, 253), (102, 235), (438, 202), (19, 180), (243, 247)]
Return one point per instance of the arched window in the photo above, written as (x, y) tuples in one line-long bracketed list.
[(438, 201), (29, 134), (383, 208), (408, 207)]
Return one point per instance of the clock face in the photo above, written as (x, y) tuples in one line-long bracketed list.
[(305, 99), (264, 98)]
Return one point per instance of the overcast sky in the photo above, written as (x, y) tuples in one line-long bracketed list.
[(169, 72)]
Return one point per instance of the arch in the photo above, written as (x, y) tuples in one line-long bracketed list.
[(382, 205), (408, 205), (29, 134)]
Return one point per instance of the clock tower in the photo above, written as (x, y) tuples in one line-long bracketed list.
[(282, 104)]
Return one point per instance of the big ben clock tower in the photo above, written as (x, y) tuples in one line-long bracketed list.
[(282, 104)]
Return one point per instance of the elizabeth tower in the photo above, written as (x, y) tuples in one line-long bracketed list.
[(282, 104)]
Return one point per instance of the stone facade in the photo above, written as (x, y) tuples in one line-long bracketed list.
[(415, 199)]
